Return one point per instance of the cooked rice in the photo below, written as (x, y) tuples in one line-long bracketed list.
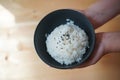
[(67, 43)]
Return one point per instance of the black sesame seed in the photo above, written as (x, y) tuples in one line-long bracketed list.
[(67, 35), (63, 34), (62, 38), (63, 43), (67, 38), (61, 48)]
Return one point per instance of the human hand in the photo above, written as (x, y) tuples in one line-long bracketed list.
[(98, 14), (98, 52), (105, 43)]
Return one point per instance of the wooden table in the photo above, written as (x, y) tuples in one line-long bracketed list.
[(18, 58)]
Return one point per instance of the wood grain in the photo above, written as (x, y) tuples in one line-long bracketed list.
[(18, 58)]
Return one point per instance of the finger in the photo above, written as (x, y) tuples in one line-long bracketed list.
[(98, 52), (93, 22)]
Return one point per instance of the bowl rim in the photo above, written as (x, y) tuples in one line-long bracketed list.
[(75, 65)]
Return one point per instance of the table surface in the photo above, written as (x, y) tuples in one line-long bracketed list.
[(18, 58)]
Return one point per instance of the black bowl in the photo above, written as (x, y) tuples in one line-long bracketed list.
[(51, 21)]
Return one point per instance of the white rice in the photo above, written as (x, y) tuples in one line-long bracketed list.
[(67, 43)]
